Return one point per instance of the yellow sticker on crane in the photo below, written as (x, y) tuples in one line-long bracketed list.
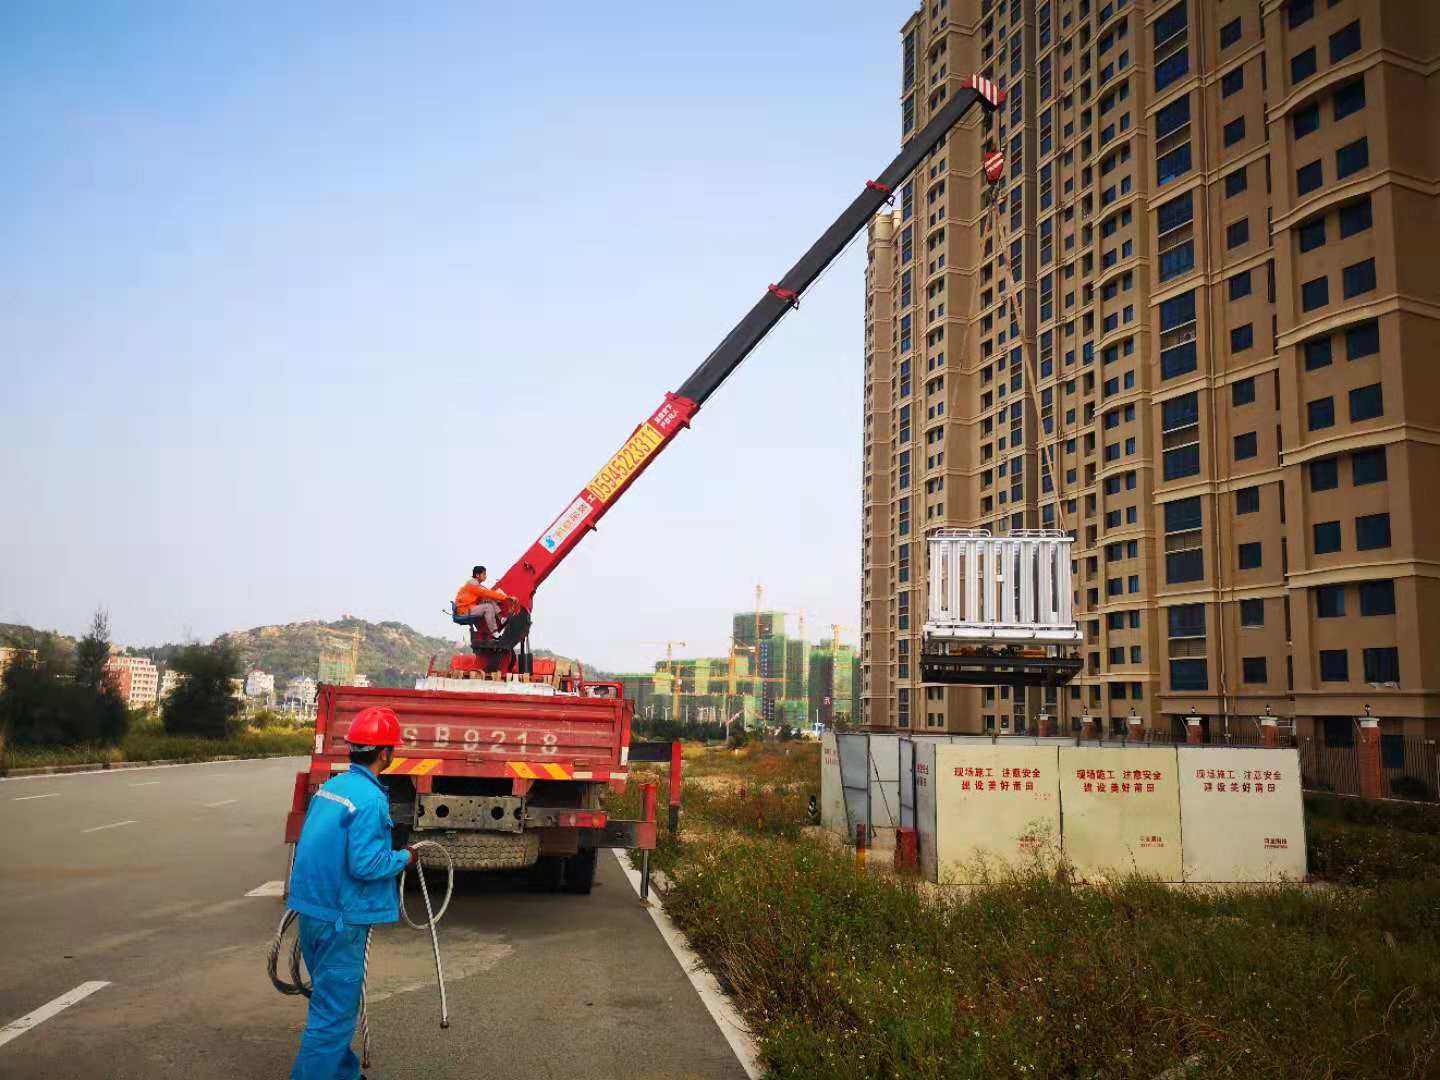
[(626, 462)]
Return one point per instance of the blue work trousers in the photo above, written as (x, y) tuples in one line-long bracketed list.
[(335, 959)]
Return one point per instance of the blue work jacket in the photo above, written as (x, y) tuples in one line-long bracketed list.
[(345, 868)]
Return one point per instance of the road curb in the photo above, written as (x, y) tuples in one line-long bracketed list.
[(106, 766)]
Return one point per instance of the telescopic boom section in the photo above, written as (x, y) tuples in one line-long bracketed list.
[(675, 413)]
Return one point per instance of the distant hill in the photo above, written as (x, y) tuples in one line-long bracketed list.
[(391, 653)]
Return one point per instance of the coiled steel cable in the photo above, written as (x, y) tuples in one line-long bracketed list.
[(297, 985)]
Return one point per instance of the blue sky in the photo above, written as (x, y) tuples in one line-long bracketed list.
[(309, 307)]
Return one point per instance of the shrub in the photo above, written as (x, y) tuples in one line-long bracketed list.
[(44, 703)]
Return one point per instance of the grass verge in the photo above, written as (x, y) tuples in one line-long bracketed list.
[(846, 974), (157, 746)]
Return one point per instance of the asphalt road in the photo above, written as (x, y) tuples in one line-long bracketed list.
[(137, 878)]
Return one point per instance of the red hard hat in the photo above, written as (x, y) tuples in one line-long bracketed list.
[(375, 726)]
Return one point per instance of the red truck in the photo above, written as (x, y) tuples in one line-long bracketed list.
[(504, 772), (504, 762)]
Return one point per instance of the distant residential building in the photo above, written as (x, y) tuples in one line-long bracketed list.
[(259, 684), (136, 678), (169, 680), (301, 690)]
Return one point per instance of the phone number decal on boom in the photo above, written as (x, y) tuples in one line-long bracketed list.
[(626, 462)]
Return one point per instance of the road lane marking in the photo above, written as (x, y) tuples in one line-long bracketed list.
[(45, 1012), (27, 798), (112, 825), (270, 888), (222, 802), (277, 762), (721, 1009), (147, 783)]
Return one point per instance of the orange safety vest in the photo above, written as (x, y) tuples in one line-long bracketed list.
[(471, 594)]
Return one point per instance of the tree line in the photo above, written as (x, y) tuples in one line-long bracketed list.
[(57, 696)]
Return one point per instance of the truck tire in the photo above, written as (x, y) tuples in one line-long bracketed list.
[(484, 850), (580, 872)]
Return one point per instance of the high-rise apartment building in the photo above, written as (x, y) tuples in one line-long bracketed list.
[(1204, 293), (136, 679)]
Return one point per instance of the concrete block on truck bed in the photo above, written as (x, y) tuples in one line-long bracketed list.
[(997, 807), (1241, 815), (832, 793), (1122, 811)]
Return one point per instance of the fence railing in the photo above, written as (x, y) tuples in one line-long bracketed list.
[(1409, 767)]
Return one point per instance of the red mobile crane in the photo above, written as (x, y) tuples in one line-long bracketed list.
[(507, 769)]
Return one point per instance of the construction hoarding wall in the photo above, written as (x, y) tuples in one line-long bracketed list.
[(884, 781), (1241, 813), (1186, 814), (997, 807), (832, 792), (854, 753), (1122, 811)]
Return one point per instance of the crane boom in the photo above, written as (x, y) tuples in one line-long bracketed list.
[(677, 410)]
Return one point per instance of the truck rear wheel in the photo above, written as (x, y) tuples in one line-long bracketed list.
[(548, 874), (580, 872), (484, 850)]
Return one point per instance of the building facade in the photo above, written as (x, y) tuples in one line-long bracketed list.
[(260, 684), (136, 678), (1191, 326)]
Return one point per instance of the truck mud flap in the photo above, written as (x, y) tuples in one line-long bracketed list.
[(628, 835)]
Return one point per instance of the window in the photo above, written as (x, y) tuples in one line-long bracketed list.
[(1230, 33), (1351, 158), (1368, 466), (1188, 675), (1366, 403), (1377, 597), (1186, 620), (1235, 183), (1334, 665), (1300, 12), (1237, 233), (1344, 41), (1339, 731), (1302, 65), (1312, 234), (1240, 285), (1252, 612), (1372, 531), (1320, 413), (1309, 177), (1247, 500), (1171, 68), (1349, 98), (1250, 556), (1246, 446), (1253, 668), (1355, 217), (1317, 353), (1362, 339), (1242, 337), (1177, 260), (1172, 118), (1315, 294), (1234, 131), (1177, 312), (1169, 24), (1179, 412), (1324, 474), (1382, 665), (1242, 392), (1359, 278), (1173, 165), (1330, 601), (1175, 213), (1327, 537), (1305, 120), (1182, 462), (1232, 82), (1177, 361)]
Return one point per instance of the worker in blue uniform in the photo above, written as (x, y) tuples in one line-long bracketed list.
[(342, 884)]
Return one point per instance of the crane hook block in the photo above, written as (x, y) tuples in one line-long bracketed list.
[(790, 296)]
